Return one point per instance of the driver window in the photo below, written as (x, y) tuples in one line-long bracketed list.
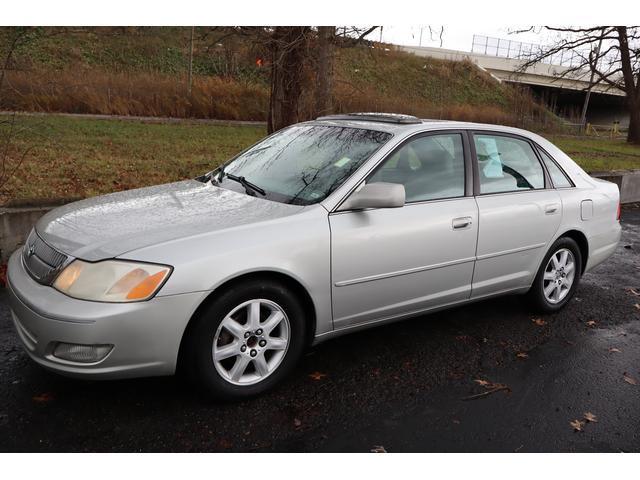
[(507, 164), (429, 167)]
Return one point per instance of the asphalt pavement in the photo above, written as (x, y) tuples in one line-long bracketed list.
[(491, 376)]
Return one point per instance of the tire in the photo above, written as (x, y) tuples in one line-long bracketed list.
[(272, 361), (561, 293)]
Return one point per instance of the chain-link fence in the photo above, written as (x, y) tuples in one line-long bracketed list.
[(500, 47)]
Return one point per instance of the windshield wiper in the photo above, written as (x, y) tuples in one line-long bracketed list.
[(248, 186)]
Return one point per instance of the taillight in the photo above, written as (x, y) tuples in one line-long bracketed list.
[(619, 214)]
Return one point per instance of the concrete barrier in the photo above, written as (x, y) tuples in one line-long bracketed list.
[(16, 222), (627, 181), (15, 225)]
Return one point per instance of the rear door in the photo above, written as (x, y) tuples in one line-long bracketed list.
[(519, 212), (391, 262)]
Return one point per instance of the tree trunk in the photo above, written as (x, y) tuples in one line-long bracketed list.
[(324, 71), (634, 122), (288, 50)]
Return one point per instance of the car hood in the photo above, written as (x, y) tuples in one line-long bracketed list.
[(111, 225)]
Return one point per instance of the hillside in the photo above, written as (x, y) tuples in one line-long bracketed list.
[(143, 71)]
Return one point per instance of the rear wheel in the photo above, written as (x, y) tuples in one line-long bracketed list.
[(558, 276), (247, 340)]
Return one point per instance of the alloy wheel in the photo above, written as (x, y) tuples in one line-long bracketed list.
[(251, 342), (559, 275)]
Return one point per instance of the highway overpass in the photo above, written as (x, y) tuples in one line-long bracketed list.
[(563, 94)]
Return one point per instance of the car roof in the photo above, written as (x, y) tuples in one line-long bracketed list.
[(398, 123)]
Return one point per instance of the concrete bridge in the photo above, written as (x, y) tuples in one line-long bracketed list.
[(563, 94)]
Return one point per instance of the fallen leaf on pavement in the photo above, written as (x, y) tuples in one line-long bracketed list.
[(43, 397), (629, 379), (637, 305), (633, 291), (522, 355), (297, 423), (538, 321), (484, 383), (378, 449), (456, 421), (577, 425), (591, 323), (317, 376), (614, 350), (590, 417)]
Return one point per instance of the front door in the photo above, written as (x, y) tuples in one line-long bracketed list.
[(388, 263)]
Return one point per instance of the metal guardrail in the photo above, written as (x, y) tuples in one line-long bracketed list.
[(611, 130)]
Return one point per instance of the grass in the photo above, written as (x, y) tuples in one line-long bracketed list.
[(77, 157), (73, 158), (599, 154)]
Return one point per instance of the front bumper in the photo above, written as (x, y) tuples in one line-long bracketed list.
[(146, 335)]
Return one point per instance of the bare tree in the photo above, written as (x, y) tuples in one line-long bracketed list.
[(16, 37), (289, 52), (290, 56), (287, 49), (324, 70), (11, 158), (615, 64)]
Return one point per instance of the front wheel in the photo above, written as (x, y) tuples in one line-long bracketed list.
[(247, 340), (557, 277)]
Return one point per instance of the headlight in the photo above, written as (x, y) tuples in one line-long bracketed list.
[(111, 280)]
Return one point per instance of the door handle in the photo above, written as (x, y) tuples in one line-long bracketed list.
[(461, 222), (551, 208)]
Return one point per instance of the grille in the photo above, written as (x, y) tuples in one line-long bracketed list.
[(41, 261)]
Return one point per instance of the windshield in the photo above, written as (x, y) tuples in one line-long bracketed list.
[(303, 164)]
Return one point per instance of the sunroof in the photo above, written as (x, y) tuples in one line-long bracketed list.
[(374, 117)]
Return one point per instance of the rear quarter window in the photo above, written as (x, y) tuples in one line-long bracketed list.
[(558, 177)]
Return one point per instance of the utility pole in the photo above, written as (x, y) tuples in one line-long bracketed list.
[(583, 118), (190, 62), (420, 42)]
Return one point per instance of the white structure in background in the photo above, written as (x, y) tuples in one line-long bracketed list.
[(503, 59)]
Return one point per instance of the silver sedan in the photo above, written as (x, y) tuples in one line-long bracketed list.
[(321, 229)]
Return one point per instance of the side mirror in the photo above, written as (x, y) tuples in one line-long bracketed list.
[(375, 195)]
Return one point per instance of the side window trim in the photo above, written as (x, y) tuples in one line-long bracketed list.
[(476, 172), (540, 151), (468, 173)]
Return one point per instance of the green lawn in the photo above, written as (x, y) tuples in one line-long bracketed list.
[(73, 157), (599, 154)]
